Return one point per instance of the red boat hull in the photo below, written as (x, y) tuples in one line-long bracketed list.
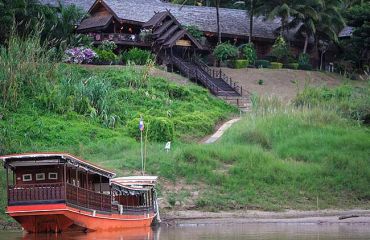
[(61, 218)]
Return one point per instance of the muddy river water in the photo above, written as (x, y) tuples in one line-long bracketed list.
[(216, 231)]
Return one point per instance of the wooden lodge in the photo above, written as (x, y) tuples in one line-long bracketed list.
[(59, 192)]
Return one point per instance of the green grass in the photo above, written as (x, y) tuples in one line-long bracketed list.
[(275, 158)]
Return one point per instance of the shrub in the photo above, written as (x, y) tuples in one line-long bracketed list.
[(303, 59), (106, 56), (249, 53), (108, 45), (262, 63), (260, 82), (194, 31), (137, 56), (158, 129), (225, 51), (292, 66), (280, 49), (239, 63), (305, 67), (79, 55), (276, 65)]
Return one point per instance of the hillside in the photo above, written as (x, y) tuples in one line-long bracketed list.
[(283, 83), (277, 157)]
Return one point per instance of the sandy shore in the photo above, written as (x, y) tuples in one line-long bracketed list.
[(178, 218)]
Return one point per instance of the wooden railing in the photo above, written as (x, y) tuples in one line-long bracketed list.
[(58, 192), (195, 74), (119, 37), (35, 193), (218, 74), (88, 199)]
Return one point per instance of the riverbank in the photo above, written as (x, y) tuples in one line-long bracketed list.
[(180, 218)]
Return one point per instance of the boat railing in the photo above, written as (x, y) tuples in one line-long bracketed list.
[(88, 199), (18, 194)]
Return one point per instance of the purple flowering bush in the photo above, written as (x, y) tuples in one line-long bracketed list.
[(79, 55)]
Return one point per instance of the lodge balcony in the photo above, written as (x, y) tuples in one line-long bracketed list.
[(122, 39)]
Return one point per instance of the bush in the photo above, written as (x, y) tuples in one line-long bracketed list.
[(240, 63), (137, 56), (303, 59), (108, 45), (249, 53), (260, 82), (225, 51), (106, 57), (276, 65), (195, 32), (79, 55), (292, 66), (262, 63), (307, 67), (158, 129), (280, 49)]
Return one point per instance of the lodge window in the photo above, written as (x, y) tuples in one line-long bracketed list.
[(53, 176), (40, 176), (26, 177)]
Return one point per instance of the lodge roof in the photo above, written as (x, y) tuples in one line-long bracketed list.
[(232, 21), (98, 21)]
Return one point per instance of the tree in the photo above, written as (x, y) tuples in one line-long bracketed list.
[(359, 18), (250, 7)]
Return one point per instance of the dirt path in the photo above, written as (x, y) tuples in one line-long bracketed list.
[(220, 131)]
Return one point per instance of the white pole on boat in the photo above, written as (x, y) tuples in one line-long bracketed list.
[(141, 127)]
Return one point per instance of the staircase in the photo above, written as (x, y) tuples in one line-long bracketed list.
[(216, 81)]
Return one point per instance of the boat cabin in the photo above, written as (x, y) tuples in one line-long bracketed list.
[(62, 184)]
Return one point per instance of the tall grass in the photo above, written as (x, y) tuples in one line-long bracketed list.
[(26, 69)]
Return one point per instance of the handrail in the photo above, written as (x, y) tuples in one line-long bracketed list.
[(219, 74), (118, 37), (195, 73)]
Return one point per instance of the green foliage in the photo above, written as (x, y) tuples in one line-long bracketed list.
[(137, 56), (195, 32), (307, 67), (292, 66), (303, 59), (158, 129), (27, 68), (239, 63), (249, 53), (225, 51), (105, 56), (107, 45), (260, 82), (280, 49), (276, 65), (262, 63), (347, 101)]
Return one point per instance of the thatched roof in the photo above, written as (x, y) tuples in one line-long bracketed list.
[(232, 21), (98, 21)]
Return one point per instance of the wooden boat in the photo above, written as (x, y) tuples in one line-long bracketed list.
[(56, 192)]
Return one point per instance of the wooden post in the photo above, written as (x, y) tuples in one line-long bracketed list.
[(87, 187), (77, 184), (7, 184), (65, 181), (241, 90), (101, 196)]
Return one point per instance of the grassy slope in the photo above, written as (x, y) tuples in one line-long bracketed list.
[(283, 159)]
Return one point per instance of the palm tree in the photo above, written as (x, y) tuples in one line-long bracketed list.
[(250, 6), (305, 19)]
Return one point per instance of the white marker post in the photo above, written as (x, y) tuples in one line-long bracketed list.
[(141, 128)]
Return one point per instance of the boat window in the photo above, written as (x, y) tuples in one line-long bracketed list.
[(53, 176), (40, 176), (26, 177)]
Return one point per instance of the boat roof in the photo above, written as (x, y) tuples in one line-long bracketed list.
[(135, 182), (48, 158)]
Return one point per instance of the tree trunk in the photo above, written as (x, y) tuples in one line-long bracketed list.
[(218, 21), (305, 43), (251, 13)]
